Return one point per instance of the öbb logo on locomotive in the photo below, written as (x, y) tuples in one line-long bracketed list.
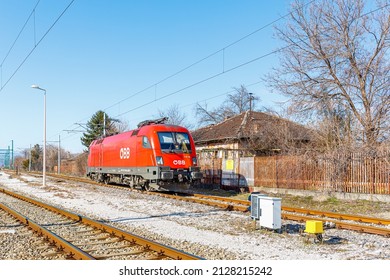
[(154, 156), (124, 153)]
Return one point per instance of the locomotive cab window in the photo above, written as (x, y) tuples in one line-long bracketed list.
[(174, 142)]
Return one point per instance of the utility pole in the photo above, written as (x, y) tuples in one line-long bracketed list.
[(104, 124), (12, 155), (29, 160), (250, 101), (59, 155)]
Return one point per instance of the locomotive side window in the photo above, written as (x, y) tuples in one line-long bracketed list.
[(174, 142), (146, 143)]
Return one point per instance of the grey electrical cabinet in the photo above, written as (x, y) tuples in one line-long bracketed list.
[(271, 212), (255, 205)]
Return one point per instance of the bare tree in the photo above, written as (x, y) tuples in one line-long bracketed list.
[(122, 125), (175, 116), (206, 116), (336, 60), (239, 101)]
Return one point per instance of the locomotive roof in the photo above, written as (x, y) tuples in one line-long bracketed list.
[(144, 127), (156, 121)]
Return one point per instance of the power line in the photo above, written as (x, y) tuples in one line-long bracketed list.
[(219, 95), (199, 61), (238, 66), (36, 45), (206, 79), (206, 57), (73, 131), (20, 32), (218, 74)]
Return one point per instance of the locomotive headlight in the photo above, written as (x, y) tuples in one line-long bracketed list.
[(194, 161), (159, 161)]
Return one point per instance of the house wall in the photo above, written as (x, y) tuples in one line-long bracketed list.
[(226, 150)]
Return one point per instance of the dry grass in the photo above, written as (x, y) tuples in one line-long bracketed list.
[(332, 204)]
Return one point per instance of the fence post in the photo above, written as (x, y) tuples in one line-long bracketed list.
[(276, 172)]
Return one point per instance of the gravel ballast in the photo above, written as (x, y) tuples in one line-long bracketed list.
[(205, 231)]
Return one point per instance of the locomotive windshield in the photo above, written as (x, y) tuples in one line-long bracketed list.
[(174, 142)]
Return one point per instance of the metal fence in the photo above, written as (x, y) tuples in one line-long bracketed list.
[(212, 171), (350, 173)]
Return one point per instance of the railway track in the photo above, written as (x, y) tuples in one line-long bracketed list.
[(82, 238), (342, 221), (21, 234)]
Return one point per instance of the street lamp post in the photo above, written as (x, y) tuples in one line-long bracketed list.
[(44, 133)]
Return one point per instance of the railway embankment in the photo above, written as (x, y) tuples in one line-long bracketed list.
[(205, 231)]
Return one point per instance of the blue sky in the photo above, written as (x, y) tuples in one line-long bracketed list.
[(101, 55)]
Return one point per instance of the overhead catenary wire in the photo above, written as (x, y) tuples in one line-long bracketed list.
[(151, 116), (36, 44), (20, 32), (154, 85), (218, 74), (206, 57), (204, 80)]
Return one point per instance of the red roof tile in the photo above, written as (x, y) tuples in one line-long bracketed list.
[(249, 124)]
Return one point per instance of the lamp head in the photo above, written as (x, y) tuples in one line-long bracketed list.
[(37, 87)]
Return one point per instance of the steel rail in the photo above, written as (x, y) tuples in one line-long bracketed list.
[(357, 218), (227, 206), (225, 199), (338, 216), (63, 245), (161, 250), (230, 204), (342, 225), (243, 205)]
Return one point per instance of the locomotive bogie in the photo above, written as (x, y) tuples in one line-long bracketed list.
[(152, 157)]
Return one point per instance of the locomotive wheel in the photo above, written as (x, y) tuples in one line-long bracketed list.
[(132, 183), (106, 180), (147, 187)]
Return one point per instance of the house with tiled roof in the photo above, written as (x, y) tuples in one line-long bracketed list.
[(253, 133), (227, 149)]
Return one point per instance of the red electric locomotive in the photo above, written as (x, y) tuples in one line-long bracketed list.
[(155, 156)]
